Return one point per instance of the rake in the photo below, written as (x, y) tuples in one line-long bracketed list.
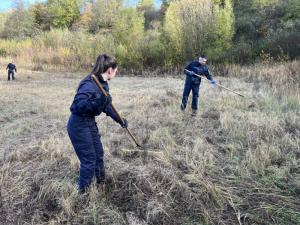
[(114, 109)]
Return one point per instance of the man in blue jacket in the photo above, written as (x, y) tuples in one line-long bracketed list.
[(11, 67), (192, 82)]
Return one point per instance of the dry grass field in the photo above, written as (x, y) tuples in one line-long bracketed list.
[(235, 163)]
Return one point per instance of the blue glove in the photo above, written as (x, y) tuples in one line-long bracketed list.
[(213, 82)]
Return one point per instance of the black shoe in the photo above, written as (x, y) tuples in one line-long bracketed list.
[(194, 112), (104, 183), (182, 107), (82, 191), (100, 180)]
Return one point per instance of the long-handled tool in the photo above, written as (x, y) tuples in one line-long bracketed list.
[(218, 84), (121, 119)]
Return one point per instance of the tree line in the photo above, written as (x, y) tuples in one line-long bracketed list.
[(144, 36)]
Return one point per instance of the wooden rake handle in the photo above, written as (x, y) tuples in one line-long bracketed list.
[(114, 109), (230, 90), (219, 85)]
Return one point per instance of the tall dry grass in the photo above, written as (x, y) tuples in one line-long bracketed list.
[(235, 163), (57, 50)]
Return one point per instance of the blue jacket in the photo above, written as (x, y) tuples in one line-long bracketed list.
[(89, 101), (199, 69), (11, 67)]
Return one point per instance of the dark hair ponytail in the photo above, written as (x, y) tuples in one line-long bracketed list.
[(103, 63)]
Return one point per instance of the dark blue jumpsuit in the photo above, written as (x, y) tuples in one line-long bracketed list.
[(11, 68), (192, 82), (83, 131)]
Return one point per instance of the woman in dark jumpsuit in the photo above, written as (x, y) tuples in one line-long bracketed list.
[(82, 128)]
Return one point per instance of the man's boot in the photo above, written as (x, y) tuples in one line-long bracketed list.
[(103, 183), (182, 107), (194, 112), (82, 190)]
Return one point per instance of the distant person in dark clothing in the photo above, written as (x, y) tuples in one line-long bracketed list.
[(11, 69), (192, 82), (88, 103)]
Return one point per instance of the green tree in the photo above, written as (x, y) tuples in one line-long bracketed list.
[(128, 32), (268, 26), (104, 12), (19, 25), (41, 16), (145, 5), (86, 18), (64, 12), (264, 3), (153, 49), (151, 15), (193, 26), (292, 10), (221, 29), (173, 29), (283, 33), (3, 18)]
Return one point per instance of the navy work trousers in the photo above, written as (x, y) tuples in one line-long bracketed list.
[(191, 84), (12, 75), (85, 137)]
